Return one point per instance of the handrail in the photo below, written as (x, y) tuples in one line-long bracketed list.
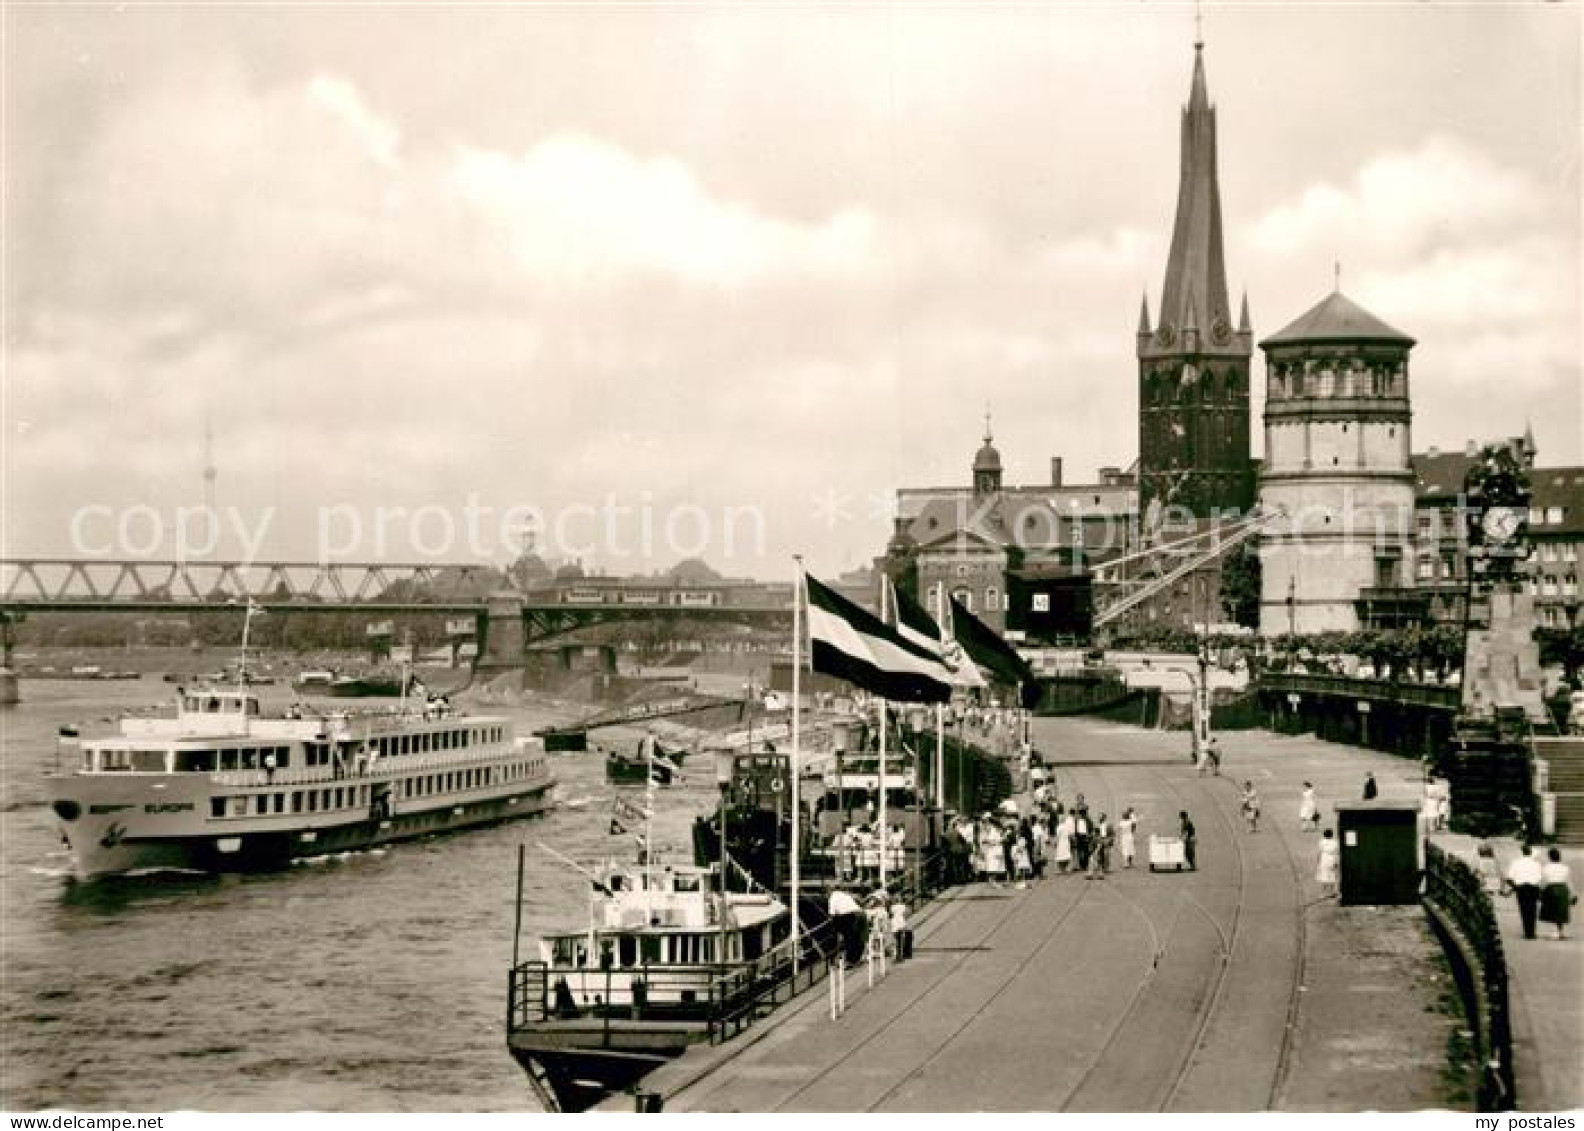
[(1424, 694), (1455, 888)]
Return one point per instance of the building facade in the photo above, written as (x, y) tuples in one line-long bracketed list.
[(1337, 478)]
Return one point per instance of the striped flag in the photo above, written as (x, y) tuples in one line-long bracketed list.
[(918, 627), (852, 644), (996, 658)]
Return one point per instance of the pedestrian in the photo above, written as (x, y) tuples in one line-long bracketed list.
[(1213, 756), (1021, 868), (848, 918), (1039, 848), (994, 852), (1082, 831), (1064, 842), (1186, 831), (1556, 893), (879, 920), (1524, 876), (1371, 790), (901, 933), (1127, 830), (1328, 868), (1251, 806), (1100, 853), (1489, 874), (1308, 808)]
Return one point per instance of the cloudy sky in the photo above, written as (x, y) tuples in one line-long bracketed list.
[(677, 266)]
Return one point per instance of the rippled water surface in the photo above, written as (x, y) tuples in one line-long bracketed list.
[(367, 982)]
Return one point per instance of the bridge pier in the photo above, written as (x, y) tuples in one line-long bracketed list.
[(10, 689), (502, 635)]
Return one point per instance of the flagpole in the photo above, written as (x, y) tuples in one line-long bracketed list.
[(940, 719), (885, 829), (797, 757)]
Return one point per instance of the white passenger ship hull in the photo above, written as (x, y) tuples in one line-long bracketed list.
[(124, 827)]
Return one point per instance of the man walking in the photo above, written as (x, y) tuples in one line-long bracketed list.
[(1523, 877)]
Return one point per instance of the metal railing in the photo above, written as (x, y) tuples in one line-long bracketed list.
[(725, 999), (1423, 694), (1480, 966)]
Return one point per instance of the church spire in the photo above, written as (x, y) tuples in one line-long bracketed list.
[(1144, 323), (1196, 266)]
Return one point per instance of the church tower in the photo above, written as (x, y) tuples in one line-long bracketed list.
[(987, 466), (1193, 363)]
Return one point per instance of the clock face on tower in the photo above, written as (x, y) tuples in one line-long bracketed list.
[(1221, 332), (1501, 523)]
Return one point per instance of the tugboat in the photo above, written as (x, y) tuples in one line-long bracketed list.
[(650, 762), (667, 959)]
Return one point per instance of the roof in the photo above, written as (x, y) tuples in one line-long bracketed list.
[(1195, 290), (1440, 475), (988, 459), (1553, 487), (1336, 318)]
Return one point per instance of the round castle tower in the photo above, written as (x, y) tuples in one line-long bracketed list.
[(1336, 475)]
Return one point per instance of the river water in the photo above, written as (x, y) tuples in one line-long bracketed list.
[(372, 981)]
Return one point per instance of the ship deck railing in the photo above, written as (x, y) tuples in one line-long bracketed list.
[(320, 775), (732, 996)]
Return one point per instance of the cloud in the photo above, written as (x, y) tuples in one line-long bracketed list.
[(1403, 202), (577, 210)]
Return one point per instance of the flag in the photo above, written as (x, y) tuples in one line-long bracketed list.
[(852, 644), (985, 647), (918, 627)]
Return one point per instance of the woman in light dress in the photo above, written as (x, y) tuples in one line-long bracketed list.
[(994, 854), (1328, 868), (1126, 829), (1064, 843), (1308, 809)]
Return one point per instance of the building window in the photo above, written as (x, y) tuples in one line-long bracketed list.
[(1426, 569), (1548, 552), (1554, 516), (1570, 551), (992, 599), (1549, 589), (1448, 567), (1536, 516), (964, 597)]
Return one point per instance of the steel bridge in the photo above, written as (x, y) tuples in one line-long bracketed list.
[(105, 585)]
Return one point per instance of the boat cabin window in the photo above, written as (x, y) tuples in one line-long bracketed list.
[(148, 761), (195, 761), (627, 950)]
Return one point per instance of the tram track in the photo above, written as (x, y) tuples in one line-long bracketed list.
[(977, 946)]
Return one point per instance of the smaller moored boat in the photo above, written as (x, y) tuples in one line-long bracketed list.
[(665, 957)]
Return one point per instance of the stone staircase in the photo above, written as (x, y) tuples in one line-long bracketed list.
[(1565, 758)]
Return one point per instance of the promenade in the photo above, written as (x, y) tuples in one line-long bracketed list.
[(1233, 988)]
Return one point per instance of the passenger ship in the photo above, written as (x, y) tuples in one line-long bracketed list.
[(666, 958), (221, 787)]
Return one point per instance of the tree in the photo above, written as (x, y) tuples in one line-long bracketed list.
[(1240, 587)]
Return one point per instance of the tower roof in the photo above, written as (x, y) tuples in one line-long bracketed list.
[(1336, 318), (987, 458), (1195, 289)]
